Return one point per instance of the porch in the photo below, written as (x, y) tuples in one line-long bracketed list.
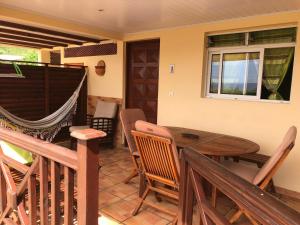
[(191, 105)]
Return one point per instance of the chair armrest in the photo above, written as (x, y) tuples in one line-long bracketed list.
[(89, 118)]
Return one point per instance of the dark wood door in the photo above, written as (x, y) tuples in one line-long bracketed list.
[(142, 77)]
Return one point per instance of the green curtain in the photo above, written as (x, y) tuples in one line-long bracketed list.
[(276, 64)]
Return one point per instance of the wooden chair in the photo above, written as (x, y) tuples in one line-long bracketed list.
[(128, 118), (263, 176), (104, 119), (159, 160), (198, 170)]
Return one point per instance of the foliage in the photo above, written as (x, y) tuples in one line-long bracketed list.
[(27, 54)]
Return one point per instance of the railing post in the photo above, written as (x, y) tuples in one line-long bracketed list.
[(46, 90), (186, 196), (87, 178), (3, 200)]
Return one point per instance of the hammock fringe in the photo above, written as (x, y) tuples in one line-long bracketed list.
[(48, 127)]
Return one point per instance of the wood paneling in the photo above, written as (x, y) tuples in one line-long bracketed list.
[(91, 50), (36, 37), (43, 90)]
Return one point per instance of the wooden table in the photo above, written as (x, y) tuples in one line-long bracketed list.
[(213, 144)]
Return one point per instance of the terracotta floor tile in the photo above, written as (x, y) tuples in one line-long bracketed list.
[(146, 218), (106, 198), (122, 190), (107, 182), (120, 210)]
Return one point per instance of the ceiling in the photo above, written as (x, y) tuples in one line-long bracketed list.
[(127, 16), (35, 37)]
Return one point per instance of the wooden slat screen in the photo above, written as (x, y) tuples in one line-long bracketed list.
[(43, 91)]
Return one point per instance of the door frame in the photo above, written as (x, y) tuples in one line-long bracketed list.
[(125, 74), (126, 57)]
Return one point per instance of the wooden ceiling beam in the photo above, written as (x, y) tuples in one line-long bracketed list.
[(39, 36), (22, 43), (32, 40), (47, 31)]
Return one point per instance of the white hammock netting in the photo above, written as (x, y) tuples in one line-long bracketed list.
[(47, 127)]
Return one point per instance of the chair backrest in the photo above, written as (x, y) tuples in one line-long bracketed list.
[(106, 109), (158, 151), (272, 165), (128, 118)]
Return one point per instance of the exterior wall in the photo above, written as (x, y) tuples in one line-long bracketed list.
[(108, 87), (264, 123)]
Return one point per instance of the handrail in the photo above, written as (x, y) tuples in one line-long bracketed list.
[(68, 172), (262, 206), (53, 152)]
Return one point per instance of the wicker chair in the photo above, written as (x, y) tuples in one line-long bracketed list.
[(103, 119), (263, 176), (128, 118), (160, 164)]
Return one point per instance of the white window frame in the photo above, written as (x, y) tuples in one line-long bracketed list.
[(240, 49)]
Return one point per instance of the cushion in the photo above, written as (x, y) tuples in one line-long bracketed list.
[(245, 171), (16, 153), (128, 118), (283, 148), (106, 109)]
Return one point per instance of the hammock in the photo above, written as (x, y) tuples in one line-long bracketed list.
[(47, 127)]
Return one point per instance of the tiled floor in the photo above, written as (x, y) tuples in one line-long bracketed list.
[(117, 200)]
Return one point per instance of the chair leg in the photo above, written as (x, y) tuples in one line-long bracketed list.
[(236, 216), (214, 196), (175, 221), (251, 219), (142, 199), (133, 174)]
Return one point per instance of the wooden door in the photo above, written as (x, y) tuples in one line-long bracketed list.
[(142, 77)]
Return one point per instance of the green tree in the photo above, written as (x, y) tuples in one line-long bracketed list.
[(27, 54)]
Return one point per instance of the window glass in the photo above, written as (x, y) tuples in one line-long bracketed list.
[(233, 74), (224, 40), (285, 35), (214, 73), (252, 75)]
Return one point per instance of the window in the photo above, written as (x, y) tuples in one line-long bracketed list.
[(251, 65)]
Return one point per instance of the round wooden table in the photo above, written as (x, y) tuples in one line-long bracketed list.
[(212, 144)]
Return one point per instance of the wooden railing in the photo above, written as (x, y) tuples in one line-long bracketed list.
[(260, 207), (43, 192)]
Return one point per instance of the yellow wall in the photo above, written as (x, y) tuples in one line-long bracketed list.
[(264, 123), (109, 85)]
